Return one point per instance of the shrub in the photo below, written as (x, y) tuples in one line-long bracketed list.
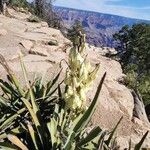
[(44, 10), (19, 3), (33, 18), (53, 43)]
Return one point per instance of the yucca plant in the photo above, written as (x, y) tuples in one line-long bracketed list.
[(13, 112), (58, 131), (24, 127), (27, 130)]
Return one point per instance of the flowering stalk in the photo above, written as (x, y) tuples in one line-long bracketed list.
[(79, 76)]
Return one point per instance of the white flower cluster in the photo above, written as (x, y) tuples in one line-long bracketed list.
[(79, 78)]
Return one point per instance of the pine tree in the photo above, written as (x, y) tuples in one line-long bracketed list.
[(134, 52)]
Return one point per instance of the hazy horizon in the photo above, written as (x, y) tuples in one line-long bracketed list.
[(101, 13), (139, 9)]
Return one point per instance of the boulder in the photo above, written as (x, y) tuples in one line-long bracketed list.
[(122, 96)]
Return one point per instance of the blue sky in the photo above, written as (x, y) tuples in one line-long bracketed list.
[(129, 8)]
